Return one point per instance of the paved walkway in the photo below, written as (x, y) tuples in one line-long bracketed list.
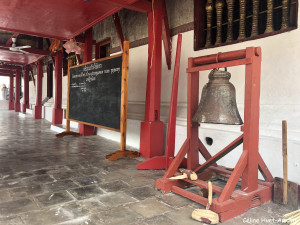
[(45, 180)]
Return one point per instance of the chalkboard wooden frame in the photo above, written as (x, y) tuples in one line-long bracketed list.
[(123, 107), (68, 107)]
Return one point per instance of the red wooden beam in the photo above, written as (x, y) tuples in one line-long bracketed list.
[(31, 73), (9, 41), (166, 36), (82, 40), (26, 89), (37, 114), (11, 105), (17, 91), (10, 67), (151, 138), (140, 6), (118, 29)]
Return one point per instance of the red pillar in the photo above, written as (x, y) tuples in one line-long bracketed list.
[(87, 130), (17, 92), (151, 140), (11, 92), (57, 113), (26, 90), (37, 114)]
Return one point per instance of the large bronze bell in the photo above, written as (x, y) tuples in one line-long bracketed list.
[(218, 102)]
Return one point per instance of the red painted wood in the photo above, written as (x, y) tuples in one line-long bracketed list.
[(178, 159), (190, 195), (141, 5), (57, 113), (151, 140), (170, 147), (163, 162), (264, 169), (26, 90), (219, 65), (119, 30), (11, 92), (251, 117), (166, 36), (155, 163), (246, 169), (37, 114), (220, 154), (37, 23), (84, 129), (204, 152), (10, 67), (235, 176), (221, 56), (192, 127), (204, 184), (17, 91), (15, 58)]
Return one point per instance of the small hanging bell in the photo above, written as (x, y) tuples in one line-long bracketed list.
[(218, 101)]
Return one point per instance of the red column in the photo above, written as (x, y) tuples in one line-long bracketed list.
[(11, 92), (37, 114), (57, 113), (26, 90), (151, 140), (17, 92), (87, 130)]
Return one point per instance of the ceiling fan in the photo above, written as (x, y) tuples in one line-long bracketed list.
[(18, 49)]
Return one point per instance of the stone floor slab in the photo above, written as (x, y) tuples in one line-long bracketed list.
[(86, 192), (60, 185), (150, 207), (84, 181), (17, 206), (50, 199), (115, 199), (142, 193), (114, 186)]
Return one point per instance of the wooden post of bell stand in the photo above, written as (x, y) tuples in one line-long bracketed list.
[(123, 117)]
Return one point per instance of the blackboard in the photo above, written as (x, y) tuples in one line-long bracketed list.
[(95, 92)]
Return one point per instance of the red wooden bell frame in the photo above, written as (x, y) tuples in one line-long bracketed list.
[(253, 192)]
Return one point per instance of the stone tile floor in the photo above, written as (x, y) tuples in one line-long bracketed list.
[(46, 180)]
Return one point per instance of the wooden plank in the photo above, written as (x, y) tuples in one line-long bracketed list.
[(119, 30), (220, 154), (98, 60), (95, 125), (234, 178), (189, 195), (166, 36), (124, 95), (284, 156), (204, 184), (220, 65)]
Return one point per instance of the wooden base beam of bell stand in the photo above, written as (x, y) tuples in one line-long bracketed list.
[(68, 132), (122, 153), (163, 162), (252, 192)]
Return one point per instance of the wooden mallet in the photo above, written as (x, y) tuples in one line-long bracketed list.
[(205, 215), (185, 174)]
